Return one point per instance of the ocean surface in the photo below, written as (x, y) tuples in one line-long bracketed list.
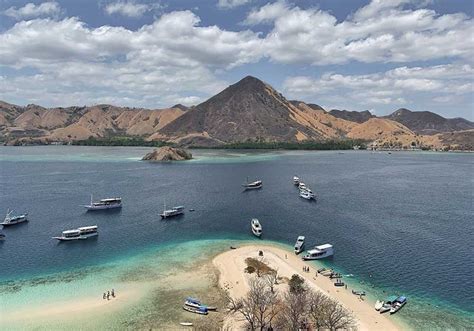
[(401, 223)]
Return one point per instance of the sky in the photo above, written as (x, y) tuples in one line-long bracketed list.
[(377, 55)]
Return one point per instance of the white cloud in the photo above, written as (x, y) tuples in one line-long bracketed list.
[(30, 10), (393, 87), (227, 4), (129, 8), (382, 31)]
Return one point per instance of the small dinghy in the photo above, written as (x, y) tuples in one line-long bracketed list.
[(359, 293), (378, 305), (186, 323), (339, 284), (321, 270)]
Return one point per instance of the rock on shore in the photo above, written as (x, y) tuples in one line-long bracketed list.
[(167, 153)]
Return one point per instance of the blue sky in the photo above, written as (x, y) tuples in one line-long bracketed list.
[(378, 55)]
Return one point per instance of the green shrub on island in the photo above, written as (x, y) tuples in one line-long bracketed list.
[(120, 141)]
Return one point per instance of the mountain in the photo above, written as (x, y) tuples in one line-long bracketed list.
[(353, 116), (247, 110), (428, 123)]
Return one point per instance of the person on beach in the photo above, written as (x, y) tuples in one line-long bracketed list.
[(346, 286), (113, 293), (103, 296), (108, 295)]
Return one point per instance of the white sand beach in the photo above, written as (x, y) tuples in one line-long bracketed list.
[(231, 265)]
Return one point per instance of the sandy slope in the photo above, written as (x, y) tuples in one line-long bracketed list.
[(231, 266)]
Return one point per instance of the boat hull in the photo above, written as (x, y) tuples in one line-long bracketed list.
[(95, 208), (81, 237)]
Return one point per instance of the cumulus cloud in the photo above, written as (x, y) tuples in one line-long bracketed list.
[(227, 4), (30, 10), (129, 8), (382, 31), (396, 86)]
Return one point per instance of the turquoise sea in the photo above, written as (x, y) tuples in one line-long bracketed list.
[(401, 223)]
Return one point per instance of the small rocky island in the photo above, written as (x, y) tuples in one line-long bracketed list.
[(168, 153)]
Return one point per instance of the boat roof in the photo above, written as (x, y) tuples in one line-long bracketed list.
[(178, 207), (325, 246), (300, 238), (110, 199), (194, 300), (92, 227), (401, 299)]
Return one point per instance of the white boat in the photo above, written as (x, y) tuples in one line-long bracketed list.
[(299, 245), (319, 252), (256, 227), (378, 305), (192, 302), (103, 204), (296, 180), (186, 323), (301, 185), (16, 219), (398, 304), (307, 194), (387, 304), (175, 211), (82, 233), (201, 310), (253, 185)]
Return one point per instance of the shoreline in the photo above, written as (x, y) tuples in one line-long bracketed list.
[(232, 278)]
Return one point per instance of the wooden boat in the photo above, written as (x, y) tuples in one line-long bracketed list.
[(398, 304), (200, 310)]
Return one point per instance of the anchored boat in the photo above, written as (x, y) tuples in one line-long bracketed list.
[(15, 219), (398, 304), (175, 211), (256, 227), (201, 310), (82, 233), (299, 245), (104, 204), (296, 180), (253, 185), (319, 252)]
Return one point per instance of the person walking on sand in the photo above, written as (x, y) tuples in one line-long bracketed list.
[(103, 296), (113, 293), (108, 295), (346, 286)]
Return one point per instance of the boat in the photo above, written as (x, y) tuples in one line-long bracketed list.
[(327, 273), (299, 245), (378, 304), (302, 186), (307, 194), (175, 211), (319, 252), (296, 180), (186, 323), (322, 270), (387, 304), (201, 310), (339, 283), (253, 185), (256, 227), (82, 233), (359, 293), (16, 219), (104, 204), (192, 302), (335, 275), (398, 304)]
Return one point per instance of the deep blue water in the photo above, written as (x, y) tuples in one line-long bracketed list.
[(403, 222)]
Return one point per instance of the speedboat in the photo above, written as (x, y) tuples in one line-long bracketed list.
[(79, 233), (15, 219), (296, 180), (175, 211), (319, 252), (256, 227), (299, 245), (253, 185), (398, 304), (301, 186), (104, 204), (192, 302), (387, 304), (378, 305), (307, 194), (201, 310)]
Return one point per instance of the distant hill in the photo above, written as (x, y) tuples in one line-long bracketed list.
[(353, 116), (247, 111), (428, 123)]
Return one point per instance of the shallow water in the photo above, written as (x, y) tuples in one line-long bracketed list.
[(401, 223)]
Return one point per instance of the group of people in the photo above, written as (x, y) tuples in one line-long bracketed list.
[(306, 269), (108, 295)]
